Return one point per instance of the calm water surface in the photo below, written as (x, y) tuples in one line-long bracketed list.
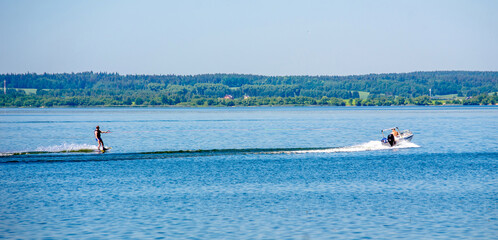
[(232, 173)]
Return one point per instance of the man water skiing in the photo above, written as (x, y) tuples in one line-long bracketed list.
[(97, 133)]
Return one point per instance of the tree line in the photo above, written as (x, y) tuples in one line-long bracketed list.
[(21, 99), (112, 89)]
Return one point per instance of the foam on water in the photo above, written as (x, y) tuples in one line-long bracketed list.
[(66, 147), (62, 148), (369, 146)]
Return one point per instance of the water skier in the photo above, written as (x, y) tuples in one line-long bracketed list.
[(97, 133)]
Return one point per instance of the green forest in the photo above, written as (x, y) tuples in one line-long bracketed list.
[(112, 89)]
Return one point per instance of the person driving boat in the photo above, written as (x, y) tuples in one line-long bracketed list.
[(395, 136)]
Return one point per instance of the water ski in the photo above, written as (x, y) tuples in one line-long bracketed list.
[(105, 149)]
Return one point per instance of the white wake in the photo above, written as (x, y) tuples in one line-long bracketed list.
[(66, 147), (369, 146)]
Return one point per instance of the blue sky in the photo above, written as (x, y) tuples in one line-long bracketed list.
[(251, 37)]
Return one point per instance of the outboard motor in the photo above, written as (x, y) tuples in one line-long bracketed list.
[(390, 139)]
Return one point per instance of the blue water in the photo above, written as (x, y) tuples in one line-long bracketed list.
[(242, 173)]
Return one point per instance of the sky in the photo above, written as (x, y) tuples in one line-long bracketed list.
[(269, 37)]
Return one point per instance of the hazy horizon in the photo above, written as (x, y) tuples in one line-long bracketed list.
[(271, 38), (320, 75)]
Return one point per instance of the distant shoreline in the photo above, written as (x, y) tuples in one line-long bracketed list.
[(240, 106), (211, 90)]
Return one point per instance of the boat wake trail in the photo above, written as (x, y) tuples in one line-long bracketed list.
[(369, 146), (63, 148), (85, 152)]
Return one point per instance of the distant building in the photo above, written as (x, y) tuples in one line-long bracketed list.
[(228, 97), (246, 97)]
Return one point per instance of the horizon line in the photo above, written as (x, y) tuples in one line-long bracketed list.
[(250, 74)]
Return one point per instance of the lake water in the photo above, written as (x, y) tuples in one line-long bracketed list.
[(249, 173)]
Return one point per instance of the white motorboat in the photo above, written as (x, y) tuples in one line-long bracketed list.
[(392, 140)]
